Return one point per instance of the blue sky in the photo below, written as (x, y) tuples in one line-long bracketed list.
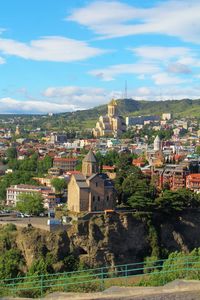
[(58, 56)]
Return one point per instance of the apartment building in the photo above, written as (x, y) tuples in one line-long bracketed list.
[(65, 164), (193, 182), (13, 192)]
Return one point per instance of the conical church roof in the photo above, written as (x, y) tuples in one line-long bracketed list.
[(90, 157), (157, 139)]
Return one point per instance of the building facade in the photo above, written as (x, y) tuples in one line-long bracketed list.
[(90, 191), (14, 191), (65, 164), (193, 182), (111, 124)]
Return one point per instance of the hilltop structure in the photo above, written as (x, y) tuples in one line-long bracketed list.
[(90, 191), (111, 124)]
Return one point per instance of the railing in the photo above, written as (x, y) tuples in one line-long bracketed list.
[(101, 278)]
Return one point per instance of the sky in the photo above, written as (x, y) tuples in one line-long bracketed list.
[(64, 55)]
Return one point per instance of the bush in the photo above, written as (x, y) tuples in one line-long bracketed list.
[(10, 227)]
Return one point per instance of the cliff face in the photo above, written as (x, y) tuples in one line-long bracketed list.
[(119, 239), (110, 240)]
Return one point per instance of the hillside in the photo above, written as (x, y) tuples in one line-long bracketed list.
[(129, 107), (86, 119)]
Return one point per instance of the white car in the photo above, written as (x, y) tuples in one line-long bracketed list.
[(20, 215), (27, 216)]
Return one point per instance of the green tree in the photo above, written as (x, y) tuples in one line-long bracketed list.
[(59, 184), (44, 165), (10, 264), (177, 200), (197, 150), (11, 153), (30, 203)]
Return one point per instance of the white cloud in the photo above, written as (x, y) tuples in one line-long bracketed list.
[(63, 99), (2, 60), (165, 79), (60, 99), (52, 48), (10, 105), (178, 68), (160, 53), (114, 19), (109, 73), (167, 93), (81, 97)]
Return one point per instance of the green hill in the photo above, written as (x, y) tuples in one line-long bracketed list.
[(86, 119), (130, 107)]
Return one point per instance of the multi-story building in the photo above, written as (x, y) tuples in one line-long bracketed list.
[(58, 138), (171, 176), (166, 116), (193, 182), (13, 192), (65, 164)]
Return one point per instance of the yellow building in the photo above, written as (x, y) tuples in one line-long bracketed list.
[(90, 191), (17, 131), (111, 124)]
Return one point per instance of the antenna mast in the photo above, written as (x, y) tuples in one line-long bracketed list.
[(125, 90)]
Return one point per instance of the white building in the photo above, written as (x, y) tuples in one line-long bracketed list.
[(166, 116), (13, 192)]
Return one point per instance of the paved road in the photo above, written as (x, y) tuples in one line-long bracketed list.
[(38, 222)]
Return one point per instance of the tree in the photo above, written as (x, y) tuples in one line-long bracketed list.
[(11, 153), (10, 264), (177, 200), (44, 165), (30, 203), (59, 184), (197, 150)]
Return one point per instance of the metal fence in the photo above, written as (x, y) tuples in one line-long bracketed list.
[(99, 278)]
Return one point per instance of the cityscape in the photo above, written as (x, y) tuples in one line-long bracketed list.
[(99, 149)]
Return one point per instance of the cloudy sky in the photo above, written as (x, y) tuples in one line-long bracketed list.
[(61, 55)]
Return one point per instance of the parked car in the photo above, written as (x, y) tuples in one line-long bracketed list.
[(20, 215), (27, 215)]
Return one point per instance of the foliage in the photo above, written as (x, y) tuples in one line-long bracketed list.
[(10, 264), (30, 203), (24, 171), (59, 184), (10, 227), (197, 150), (44, 164), (179, 200), (150, 264), (11, 153), (177, 266), (17, 177)]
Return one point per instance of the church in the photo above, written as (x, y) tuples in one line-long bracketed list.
[(111, 124), (90, 190)]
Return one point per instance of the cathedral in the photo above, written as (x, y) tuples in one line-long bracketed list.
[(111, 124)]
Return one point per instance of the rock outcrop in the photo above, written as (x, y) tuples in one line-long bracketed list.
[(110, 239)]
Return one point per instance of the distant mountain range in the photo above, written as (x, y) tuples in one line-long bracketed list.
[(130, 107)]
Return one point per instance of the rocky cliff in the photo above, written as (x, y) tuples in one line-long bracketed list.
[(112, 239)]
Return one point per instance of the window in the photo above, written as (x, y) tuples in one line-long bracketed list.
[(98, 198), (107, 198), (93, 198), (96, 184)]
